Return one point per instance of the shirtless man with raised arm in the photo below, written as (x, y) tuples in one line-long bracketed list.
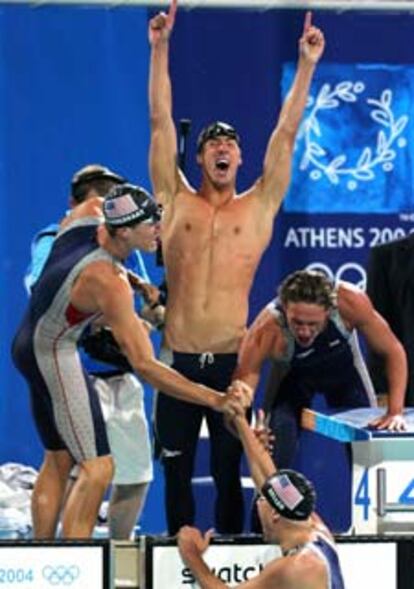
[(83, 280), (213, 239), (286, 510)]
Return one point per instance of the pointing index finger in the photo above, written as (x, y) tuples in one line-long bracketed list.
[(260, 419), (308, 21), (172, 12)]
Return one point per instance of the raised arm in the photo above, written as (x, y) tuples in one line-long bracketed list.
[(263, 339), (163, 148), (357, 311), (261, 465), (278, 159), (192, 544)]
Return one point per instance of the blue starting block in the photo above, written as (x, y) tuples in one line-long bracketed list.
[(382, 468)]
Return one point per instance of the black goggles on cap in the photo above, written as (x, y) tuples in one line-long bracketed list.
[(215, 130)]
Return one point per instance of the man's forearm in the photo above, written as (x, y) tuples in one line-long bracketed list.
[(160, 96), (396, 368), (295, 103), (260, 462), (170, 381)]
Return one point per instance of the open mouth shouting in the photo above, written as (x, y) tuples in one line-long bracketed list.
[(222, 164)]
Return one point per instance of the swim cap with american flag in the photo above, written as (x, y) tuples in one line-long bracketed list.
[(290, 494), (127, 204)]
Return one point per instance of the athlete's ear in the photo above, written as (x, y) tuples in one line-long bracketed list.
[(123, 232), (198, 159)]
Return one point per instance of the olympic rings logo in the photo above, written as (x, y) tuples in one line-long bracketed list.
[(350, 272), (61, 574)]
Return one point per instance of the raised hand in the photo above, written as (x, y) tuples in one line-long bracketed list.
[(262, 432), (161, 26), (312, 42), (190, 541), (243, 391)]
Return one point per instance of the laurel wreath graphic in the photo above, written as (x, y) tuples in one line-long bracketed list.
[(381, 155)]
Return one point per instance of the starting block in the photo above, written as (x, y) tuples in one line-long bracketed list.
[(382, 468)]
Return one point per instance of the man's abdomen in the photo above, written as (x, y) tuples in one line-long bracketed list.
[(200, 328)]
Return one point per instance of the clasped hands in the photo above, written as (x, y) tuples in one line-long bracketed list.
[(238, 398)]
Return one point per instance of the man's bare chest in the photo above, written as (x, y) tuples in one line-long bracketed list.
[(204, 227)]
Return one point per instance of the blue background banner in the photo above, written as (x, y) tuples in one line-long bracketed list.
[(73, 90), (337, 244), (356, 140)]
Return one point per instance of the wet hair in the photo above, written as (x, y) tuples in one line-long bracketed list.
[(307, 286), (214, 130), (291, 494), (93, 177), (127, 205)]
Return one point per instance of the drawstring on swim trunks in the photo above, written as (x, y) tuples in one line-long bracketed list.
[(206, 358)]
